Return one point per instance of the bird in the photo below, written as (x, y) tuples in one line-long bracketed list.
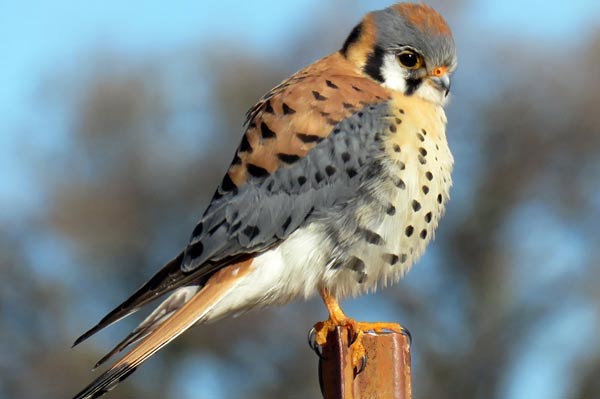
[(337, 186)]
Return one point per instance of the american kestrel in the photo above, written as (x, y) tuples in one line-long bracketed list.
[(337, 186)]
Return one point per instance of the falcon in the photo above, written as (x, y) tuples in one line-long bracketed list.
[(337, 186)]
